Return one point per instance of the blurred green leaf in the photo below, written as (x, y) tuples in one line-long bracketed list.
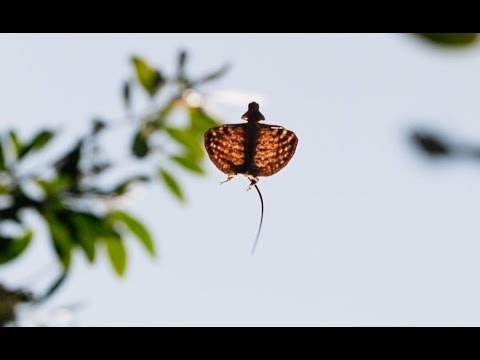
[(2, 157), (37, 143), (172, 184), (62, 239), (181, 78), (122, 187), (188, 163), (450, 39), (200, 121), (432, 144), (45, 185), (140, 147), (136, 227), (10, 248), (117, 254), (188, 139), (41, 139), (183, 136), (162, 115), (182, 57), (98, 125), (126, 94), (149, 78), (213, 75), (56, 185), (17, 145), (69, 164), (85, 226), (4, 188)]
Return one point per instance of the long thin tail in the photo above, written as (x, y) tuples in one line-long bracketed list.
[(261, 221)]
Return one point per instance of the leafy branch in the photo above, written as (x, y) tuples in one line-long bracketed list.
[(81, 215)]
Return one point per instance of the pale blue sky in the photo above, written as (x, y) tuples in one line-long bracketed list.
[(358, 229)]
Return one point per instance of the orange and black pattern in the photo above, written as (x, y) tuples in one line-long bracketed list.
[(226, 147), (274, 149), (252, 148)]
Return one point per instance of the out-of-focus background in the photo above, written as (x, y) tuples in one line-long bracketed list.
[(362, 227)]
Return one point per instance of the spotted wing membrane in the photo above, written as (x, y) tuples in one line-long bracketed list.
[(225, 146), (275, 147)]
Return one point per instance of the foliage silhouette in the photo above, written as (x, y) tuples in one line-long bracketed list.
[(429, 142), (450, 39), (78, 213), (436, 146)]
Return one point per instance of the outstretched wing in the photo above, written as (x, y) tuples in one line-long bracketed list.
[(275, 147), (225, 146)]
